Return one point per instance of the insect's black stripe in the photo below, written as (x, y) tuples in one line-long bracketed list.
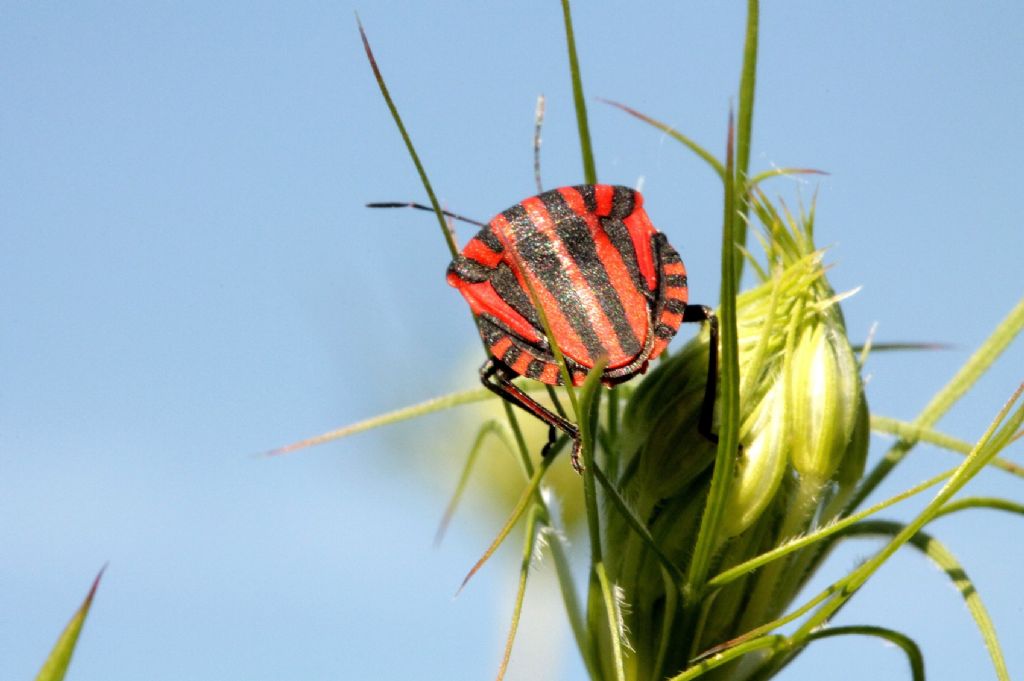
[(490, 239), (674, 305), (489, 330), (623, 243), (469, 270), (623, 203), (589, 198), (669, 256), (664, 331), (507, 287), (534, 369), (575, 234), (538, 254), (511, 355), (676, 280)]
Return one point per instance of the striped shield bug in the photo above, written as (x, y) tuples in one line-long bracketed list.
[(610, 285)]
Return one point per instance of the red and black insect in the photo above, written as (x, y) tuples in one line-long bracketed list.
[(609, 283)]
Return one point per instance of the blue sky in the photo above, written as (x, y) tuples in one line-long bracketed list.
[(190, 278)]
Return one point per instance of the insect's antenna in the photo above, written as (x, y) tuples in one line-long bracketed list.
[(538, 122), (420, 206)]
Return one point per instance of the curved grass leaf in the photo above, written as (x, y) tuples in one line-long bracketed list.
[(703, 153), (57, 662), (907, 644), (992, 503), (588, 410), (489, 427), (948, 563), (514, 516), (524, 572)]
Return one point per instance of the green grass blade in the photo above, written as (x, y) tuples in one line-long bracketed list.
[(899, 347), (571, 600), (667, 620), (728, 430), (703, 153), (744, 127), (524, 572), (588, 410), (611, 608), (404, 414), (489, 427), (904, 642), (514, 516), (589, 168), (727, 655), (637, 525), (906, 430), (448, 237), (968, 374), (948, 563), (781, 172), (56, 665), (992, 503)]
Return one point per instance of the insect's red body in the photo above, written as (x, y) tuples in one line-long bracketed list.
[(609, 283), (610, 286)]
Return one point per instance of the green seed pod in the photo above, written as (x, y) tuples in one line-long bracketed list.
[(824, 388), (761, 464)]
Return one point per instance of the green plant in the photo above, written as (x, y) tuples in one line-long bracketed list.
[(697, 553)]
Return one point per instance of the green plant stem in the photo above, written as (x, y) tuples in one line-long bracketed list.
[(728, 435), (589, 168), (745, 124)]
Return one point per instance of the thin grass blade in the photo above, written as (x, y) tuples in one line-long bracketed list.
[(56, 665), (948, 563), (514, 516), (524, 572), (899, 639), (489, 427), (703, 153)]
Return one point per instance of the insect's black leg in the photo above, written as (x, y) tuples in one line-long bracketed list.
[(703, 313), (496, 378)]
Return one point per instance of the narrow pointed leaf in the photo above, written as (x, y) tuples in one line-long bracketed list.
[(56, 664)]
